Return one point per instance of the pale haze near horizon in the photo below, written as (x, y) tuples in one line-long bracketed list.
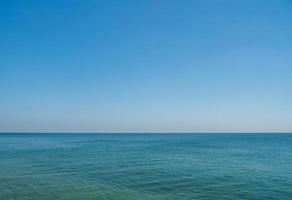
[(146, 66)]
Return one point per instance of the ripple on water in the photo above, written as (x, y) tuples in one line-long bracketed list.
[(170, 166)]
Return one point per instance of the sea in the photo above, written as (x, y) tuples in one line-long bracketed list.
[(177, 166)]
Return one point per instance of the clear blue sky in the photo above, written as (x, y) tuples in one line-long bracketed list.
[(146, 66)]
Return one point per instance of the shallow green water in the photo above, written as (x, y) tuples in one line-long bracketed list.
[(148, 166)]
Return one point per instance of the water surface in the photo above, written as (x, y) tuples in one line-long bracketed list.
[(146, 166)]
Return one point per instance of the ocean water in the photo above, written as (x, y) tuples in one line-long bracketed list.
[(145, 166)]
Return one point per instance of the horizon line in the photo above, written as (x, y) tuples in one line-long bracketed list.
[(158, 132)]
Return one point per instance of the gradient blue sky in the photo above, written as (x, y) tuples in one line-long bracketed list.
[(146, 66)]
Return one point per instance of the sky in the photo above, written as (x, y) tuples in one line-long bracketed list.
[(146, 66)]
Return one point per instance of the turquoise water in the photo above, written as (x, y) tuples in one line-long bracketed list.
[(146, 166)]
